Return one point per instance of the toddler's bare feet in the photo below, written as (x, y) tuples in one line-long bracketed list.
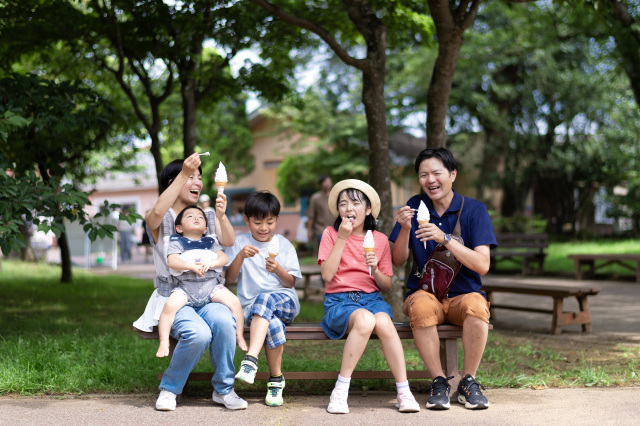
[(242, 344), (163, 349)]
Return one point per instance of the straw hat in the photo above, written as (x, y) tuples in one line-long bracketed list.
[(371, 194)]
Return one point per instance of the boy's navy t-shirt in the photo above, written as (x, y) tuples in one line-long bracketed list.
[(475, 228)]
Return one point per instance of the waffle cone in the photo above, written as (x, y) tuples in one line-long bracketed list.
[(273, 255), (422, 222), (220, 184), (369, 249)]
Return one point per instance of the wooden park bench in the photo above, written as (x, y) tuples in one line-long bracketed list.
[(528, 250), (589, 260), (558, 293), (449, 335)]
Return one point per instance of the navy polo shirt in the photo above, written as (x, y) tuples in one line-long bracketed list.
[(476, 230)]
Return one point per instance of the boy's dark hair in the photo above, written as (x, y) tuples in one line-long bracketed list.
[(357, 195), (170, 172), (443, 154), (261, 205), (322, 179), (193, 206)]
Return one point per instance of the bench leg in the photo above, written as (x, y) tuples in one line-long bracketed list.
[(307, 284), (492, 311), (584, 311), (449, 360), (556, 321), (578, 269)]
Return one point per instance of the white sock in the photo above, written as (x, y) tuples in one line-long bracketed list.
[(343, 383), (403, 387)]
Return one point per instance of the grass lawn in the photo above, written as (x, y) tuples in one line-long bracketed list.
[(76, 338)]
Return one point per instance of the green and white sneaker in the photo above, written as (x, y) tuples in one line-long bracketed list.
[(274, 393), (247, 371)]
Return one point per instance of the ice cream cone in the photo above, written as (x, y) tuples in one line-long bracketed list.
[(369, 250), (220, 185), (421, 222), (273, 255)]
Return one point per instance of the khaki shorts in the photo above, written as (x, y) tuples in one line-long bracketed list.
[(424, 309)]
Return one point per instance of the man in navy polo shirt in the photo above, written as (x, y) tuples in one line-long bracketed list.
[(465, 304)]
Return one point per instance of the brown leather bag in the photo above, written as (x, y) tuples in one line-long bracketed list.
[(442, 266)]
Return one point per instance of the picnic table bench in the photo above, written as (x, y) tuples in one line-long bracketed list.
[(449, 335), (558, 293), (528, 250), (589, 260), (307, 272)]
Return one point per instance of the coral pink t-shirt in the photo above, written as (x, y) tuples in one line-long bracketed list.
[(353, 272)]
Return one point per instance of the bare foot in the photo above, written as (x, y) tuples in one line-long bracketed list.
[(163, 349), (242, 344)]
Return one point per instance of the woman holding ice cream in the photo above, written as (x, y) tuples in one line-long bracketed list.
[(353, 304)]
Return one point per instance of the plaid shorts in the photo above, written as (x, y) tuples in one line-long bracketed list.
[(277, 308)]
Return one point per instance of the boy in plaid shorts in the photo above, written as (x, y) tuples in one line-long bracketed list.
[(265, 288)]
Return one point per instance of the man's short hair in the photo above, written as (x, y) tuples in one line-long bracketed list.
[(443, 154), (322, 179), (261, 205)]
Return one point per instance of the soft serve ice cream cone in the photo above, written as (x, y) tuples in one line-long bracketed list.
[(221, 178), (274, 247), (423, 216), (368, 245)]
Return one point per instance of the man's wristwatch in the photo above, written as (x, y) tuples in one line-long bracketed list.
[(447, 238)]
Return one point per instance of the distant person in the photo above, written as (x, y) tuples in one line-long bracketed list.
[(126, 240), (196, 260), (353, 305), (266, 267), (465, 304), (205, 203), (318, 213)]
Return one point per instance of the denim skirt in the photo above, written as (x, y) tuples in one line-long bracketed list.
[(338, 307)]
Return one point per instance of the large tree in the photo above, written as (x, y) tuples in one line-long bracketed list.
[(64, 125), (357, 31), (155, 50)]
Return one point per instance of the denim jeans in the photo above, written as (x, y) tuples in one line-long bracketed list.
[(196, 329)]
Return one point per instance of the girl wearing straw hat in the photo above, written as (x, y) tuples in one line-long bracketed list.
[(353, 304)]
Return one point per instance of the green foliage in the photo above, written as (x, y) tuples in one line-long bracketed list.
[(333, 143), (66, 124)]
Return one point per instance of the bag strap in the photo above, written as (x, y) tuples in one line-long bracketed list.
[(456, 230)]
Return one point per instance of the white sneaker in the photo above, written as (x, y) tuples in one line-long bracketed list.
[(231, 400), (338, 402), (166, 401), (407, 403), (247, 372)]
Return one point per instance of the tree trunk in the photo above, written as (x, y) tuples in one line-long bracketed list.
[(65, 259), (188, 91), (380, 180), (450, 22), (628, 41), (157, 157), (440, 89)]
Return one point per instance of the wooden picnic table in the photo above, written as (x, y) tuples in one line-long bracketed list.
[(589, 260)]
